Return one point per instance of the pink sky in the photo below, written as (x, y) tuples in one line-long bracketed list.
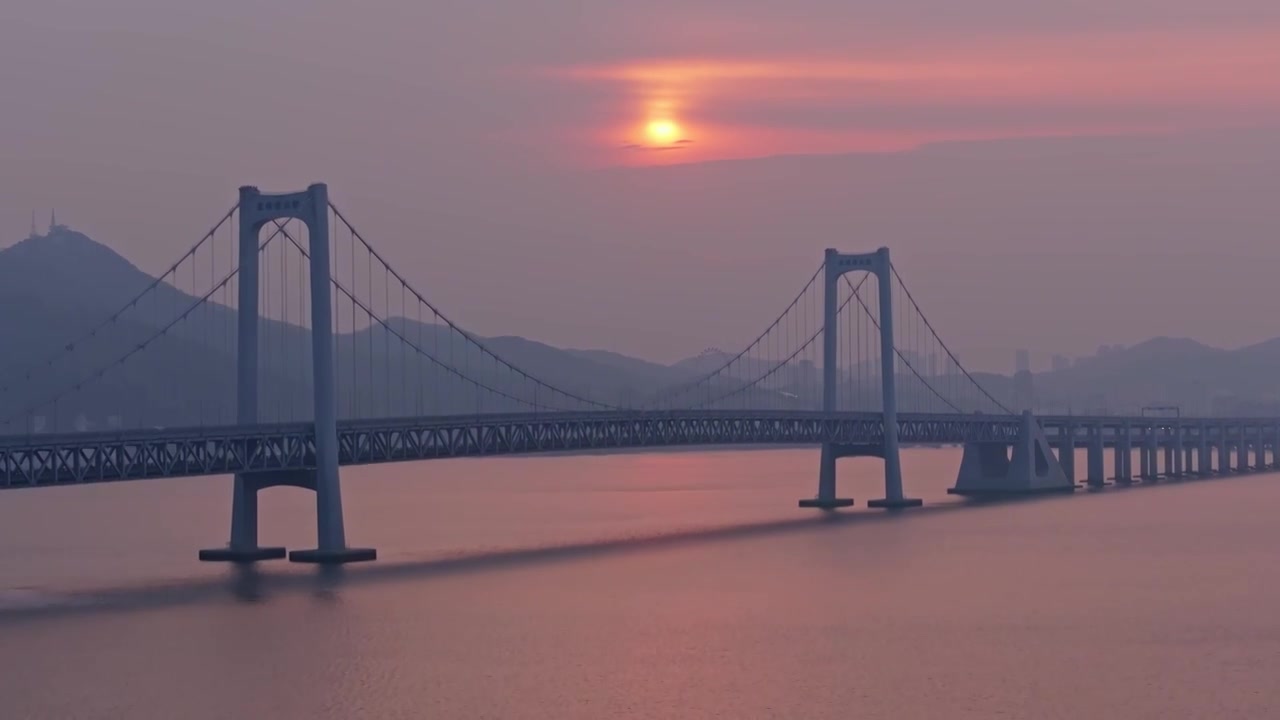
[(893, 99), (467, 131)]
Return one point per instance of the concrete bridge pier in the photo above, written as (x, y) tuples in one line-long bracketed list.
[(1242, 455), (1096, 458), (243, 545), (989, 470), (1170, 460), (1264, 447), (1204, 463), (1117, 461), (1224, 451), (1215, 452), (1151, 451), (1124, 456), (1252, 460), (826, 498), (1255, 452), (1242, 452), (1144, 460), (1190, 445), (1067, 452), (1275, 448), (1178, 455)]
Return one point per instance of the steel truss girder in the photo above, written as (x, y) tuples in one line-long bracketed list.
[(33, 461)]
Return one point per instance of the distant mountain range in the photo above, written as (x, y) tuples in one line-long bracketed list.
[(58, 287), (55, 288)]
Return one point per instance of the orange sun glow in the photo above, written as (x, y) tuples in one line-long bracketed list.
[(662, 132)]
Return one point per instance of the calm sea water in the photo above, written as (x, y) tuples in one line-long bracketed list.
[(679, 585)]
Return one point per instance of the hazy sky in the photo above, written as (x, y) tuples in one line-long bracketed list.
[(512, 157)]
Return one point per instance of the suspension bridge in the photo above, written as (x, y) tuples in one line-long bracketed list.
[(282, 346)]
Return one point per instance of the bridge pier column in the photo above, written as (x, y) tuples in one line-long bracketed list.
[(1067, 452), (1204, 463), (1264, 443), (1096, 457), (893, 496), (1151, 451), (331, 541), (1258, 452), (1117, 459), (1144, 458), (1255, 447), (1242, 452), (826, 498), (1124, 456), (1275, 447), (1178, 454), (1224, 451), (1242, 455), (243, 545)]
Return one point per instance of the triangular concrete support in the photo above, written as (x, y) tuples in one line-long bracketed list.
[(987, 470)]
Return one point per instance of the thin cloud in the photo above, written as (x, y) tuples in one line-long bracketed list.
[(677, 145)]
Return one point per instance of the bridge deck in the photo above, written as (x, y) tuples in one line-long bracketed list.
[(43, 460)]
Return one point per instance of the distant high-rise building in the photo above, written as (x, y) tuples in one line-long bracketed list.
[(1023, 391), (1060, 362)]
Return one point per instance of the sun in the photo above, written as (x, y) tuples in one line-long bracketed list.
[(662, 132)]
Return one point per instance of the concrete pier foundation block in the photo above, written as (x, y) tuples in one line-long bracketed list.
[(989, 470)]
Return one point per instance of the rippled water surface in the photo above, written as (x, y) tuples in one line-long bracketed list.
[(677, 585)]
